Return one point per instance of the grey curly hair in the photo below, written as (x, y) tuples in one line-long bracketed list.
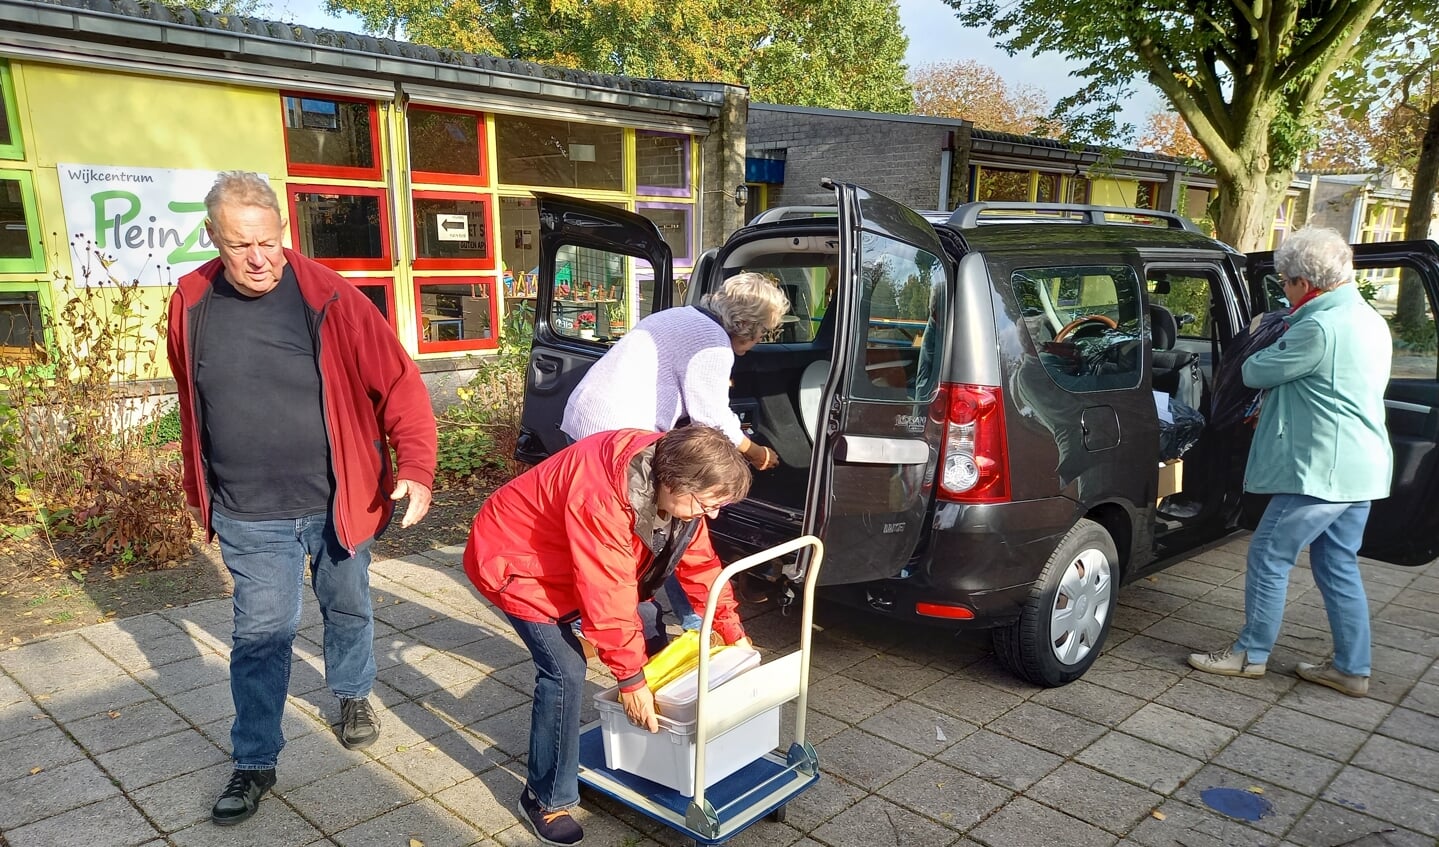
[(244, 188), (1318, 254), (748, 305)]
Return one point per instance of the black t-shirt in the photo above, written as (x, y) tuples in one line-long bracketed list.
[(258, 383)]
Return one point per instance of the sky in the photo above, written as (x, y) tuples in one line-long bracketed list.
[(934, 36)]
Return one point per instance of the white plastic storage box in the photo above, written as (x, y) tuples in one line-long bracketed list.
[(676, 700), (668, 756)]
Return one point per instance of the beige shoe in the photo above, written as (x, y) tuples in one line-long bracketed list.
[(1325, 673), (1227, 662)]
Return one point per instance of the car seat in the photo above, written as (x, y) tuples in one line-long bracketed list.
[(811, 389)]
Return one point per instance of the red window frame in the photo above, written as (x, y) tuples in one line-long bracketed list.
[(385, 282), (423, 263), (441, 177), (333, 171), (386, 262), (491, 343)]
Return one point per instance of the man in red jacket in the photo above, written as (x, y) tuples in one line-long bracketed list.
[(589, 533), (292, 388)]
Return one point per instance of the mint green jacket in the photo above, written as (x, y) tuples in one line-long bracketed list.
[(1321, 425)]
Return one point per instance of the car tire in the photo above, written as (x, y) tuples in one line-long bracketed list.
[(1063, 624)]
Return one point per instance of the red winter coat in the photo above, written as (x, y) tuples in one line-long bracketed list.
[(561, 539), (371, 388)]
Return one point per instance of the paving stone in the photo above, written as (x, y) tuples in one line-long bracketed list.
[(918, 727), (1129, 677), (186, 675), (1143, 596), (1197, 697), (51, 792), (1184, 825), (510, 731), (1187, 734), (125, 726), (161, 758), (1423, 619), (1285, 806), (1000, 760), (1230, 596), (894, 674), (438, 763), (425, 821), (1326, 824), (1411, 726), (1153, 652), (62, 663), (1402, 663), (967, 700), (1401, 761), (1386, 798), (344, 799), (845, 699), (1317, 700), (950, 796), (832, 654), (118, 821), (1278, 763), (1270, 688), (1417, 599), (314, 757), (995, 675), (817, 805), (11, 692), (450, 633), (468, 702), (1188, 634), (45, 748), (1094, 797), (175, 804), (487, 801), (70, 704), (204, 705), (147, 641), (274, 825), (1156, 768), (878, 823), (1047, 729), (1403, 637), (864, 759), (1087, 700), (1423, 697), (1307, 732), (1221, 618), (1025, 823), (1133, 619), (1204, 571)]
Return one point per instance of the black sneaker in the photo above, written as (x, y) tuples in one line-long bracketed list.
[(359, 725), (558, 828), (241, 796)]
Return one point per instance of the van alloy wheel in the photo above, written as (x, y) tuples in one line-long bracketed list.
[(1063, 623), (1081, 607)]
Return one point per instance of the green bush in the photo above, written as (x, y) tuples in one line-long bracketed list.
[(478, 433)]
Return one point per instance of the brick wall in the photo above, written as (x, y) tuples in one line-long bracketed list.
[(897, 158)]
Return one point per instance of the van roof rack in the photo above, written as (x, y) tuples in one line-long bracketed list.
[(989, 212)]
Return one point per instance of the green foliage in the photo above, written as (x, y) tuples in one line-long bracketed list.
[(74, 457), (1247, 78), (842, 54), (477, 434), (162, 430)]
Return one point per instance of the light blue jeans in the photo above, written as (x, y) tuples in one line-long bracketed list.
[(1333, 532), (267, 561), (680, 604)]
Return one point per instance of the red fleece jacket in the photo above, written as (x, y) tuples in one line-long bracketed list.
[(560, 538), (371, 389)]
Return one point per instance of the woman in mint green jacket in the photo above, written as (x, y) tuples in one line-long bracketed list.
[(1321, 449)]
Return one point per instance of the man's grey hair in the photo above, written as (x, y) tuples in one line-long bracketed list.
[(748, 305), (241, 188), (1318, 254)]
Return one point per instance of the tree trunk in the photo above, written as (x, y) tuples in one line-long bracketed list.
[(1411, 320), (1247, 204)]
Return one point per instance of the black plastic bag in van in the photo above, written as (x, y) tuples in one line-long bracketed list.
[(1180, 433), (1232, 398)]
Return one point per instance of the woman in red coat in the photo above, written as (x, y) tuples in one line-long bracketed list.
[(589, 533)]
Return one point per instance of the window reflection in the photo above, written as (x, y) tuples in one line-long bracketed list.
[(339, 226), (559, 153)]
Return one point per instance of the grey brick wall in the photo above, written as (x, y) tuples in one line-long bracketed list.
[(900, 159)]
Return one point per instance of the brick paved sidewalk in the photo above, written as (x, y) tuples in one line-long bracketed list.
[(117, 734)]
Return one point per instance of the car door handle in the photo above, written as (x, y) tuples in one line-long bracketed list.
[(547, 366), (874, 450)]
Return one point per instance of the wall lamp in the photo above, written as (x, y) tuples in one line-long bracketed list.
[(740, 194)]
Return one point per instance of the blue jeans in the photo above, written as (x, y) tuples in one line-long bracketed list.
[(652, 626), (267, 561), (1333, 533), (680, 604), (554, 766)]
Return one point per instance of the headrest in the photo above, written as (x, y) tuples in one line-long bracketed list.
[(1163, 329)]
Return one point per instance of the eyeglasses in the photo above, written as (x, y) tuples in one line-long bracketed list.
[(708, 509)]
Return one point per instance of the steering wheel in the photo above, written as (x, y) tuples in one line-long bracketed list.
[(1081, 321)]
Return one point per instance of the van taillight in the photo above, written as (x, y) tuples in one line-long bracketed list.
[(974, 463)]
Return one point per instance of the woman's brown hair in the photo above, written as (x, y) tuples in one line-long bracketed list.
[(699, 459)]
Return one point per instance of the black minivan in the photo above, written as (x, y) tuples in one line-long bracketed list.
[(967, 406)]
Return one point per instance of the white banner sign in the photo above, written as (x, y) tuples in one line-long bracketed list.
[(127, 224)]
